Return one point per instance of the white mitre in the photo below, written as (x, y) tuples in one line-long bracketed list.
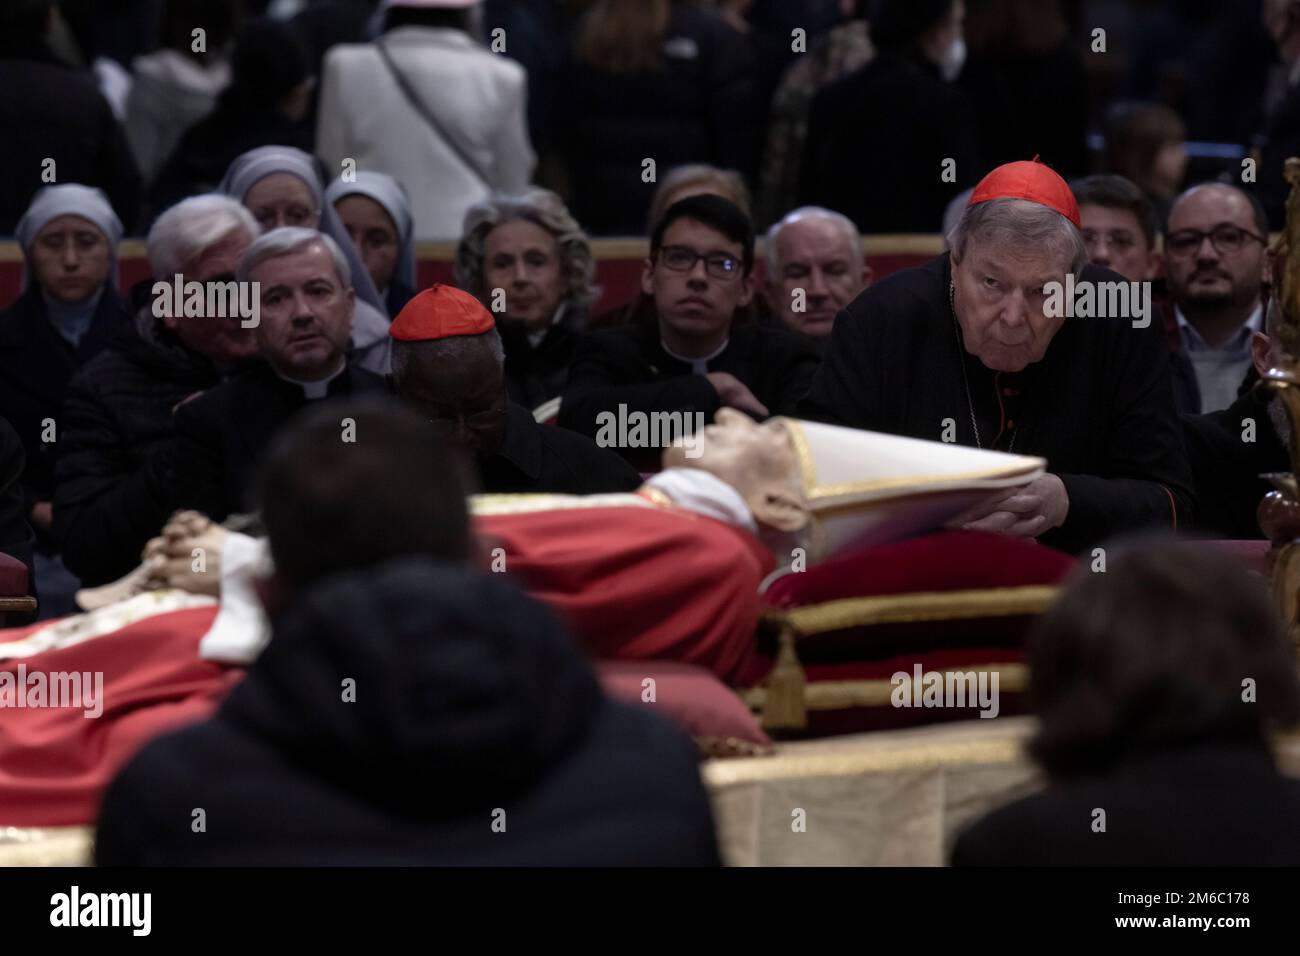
[(866, 488)]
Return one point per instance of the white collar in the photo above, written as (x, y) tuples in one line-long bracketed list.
[(705, 493), (319, 388), (700, 365)]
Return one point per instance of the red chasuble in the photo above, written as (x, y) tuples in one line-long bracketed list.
[(634, 579)]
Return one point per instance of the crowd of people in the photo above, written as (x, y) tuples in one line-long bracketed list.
[(304, 155)]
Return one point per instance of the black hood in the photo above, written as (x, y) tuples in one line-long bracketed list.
[(465, 688)]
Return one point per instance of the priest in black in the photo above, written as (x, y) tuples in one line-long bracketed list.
[(696, 357), (303, 331), (448, 364), (1230, 449), (974, 349)]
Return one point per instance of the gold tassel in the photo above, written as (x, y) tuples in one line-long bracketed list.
[(784, 707)]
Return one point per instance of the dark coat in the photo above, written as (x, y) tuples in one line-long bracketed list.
[(536, 459), (1098, 407), (53, 111), (207, 148), (36, 364), (1226, 469), (222, 434), (628, 365), (471, 707), (1204, 805), (700, 107), (16, 538), (536, 374), (113, 477), (876, 144)]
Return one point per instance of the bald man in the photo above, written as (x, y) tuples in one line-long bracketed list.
[(814, 269), (1216, 259)]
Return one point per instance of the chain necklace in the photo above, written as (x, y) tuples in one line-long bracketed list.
[(965, 379)]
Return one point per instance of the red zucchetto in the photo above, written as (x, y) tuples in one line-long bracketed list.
[(1028, 179), (439, 312)]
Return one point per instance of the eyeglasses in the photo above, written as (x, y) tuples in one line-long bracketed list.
[(682, 259), (1225, 239)]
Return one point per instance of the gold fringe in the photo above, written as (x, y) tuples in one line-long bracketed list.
[(917, 606)]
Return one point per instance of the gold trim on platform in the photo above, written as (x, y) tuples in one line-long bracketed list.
[(17, 604), (842, 694), (880, 752), (488, 505), (917, 606), (47, 846)]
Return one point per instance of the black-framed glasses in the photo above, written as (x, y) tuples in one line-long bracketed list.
[(1225, 238), (717, 264)]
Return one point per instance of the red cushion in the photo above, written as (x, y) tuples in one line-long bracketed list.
[(691, 696), (943, 561), (850, 657), (13, 577)]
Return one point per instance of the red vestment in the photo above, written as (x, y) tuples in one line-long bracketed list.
[(642, 582)]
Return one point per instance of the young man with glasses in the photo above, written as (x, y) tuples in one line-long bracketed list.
[(1216, 261), (695, 358)]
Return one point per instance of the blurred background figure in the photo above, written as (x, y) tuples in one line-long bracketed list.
[(53, 112), (814, 269), (653, 80), (842, 50), (879, 139), (1026, 82), (1156, 696), (1146, 144), (267, 103), (531, 253), (376, 213), (697, 179), (1279, 136), (69, 311), (1119, 225), (429, 105), (177, 85)]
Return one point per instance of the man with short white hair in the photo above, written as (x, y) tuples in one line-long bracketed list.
[(115, 435), (985, 346), (814, 269), (303, 289)]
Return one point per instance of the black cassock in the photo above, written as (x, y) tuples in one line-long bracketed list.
[(1099, 406)]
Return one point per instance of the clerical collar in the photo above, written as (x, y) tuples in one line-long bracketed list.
[(72, 320), (704, 493), (699, 366), (535, 338), (317, 389)]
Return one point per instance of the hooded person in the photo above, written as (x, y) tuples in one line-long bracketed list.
[(281, 186), (376, 213), (68, 312), (1010, 341), (467, 709)]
